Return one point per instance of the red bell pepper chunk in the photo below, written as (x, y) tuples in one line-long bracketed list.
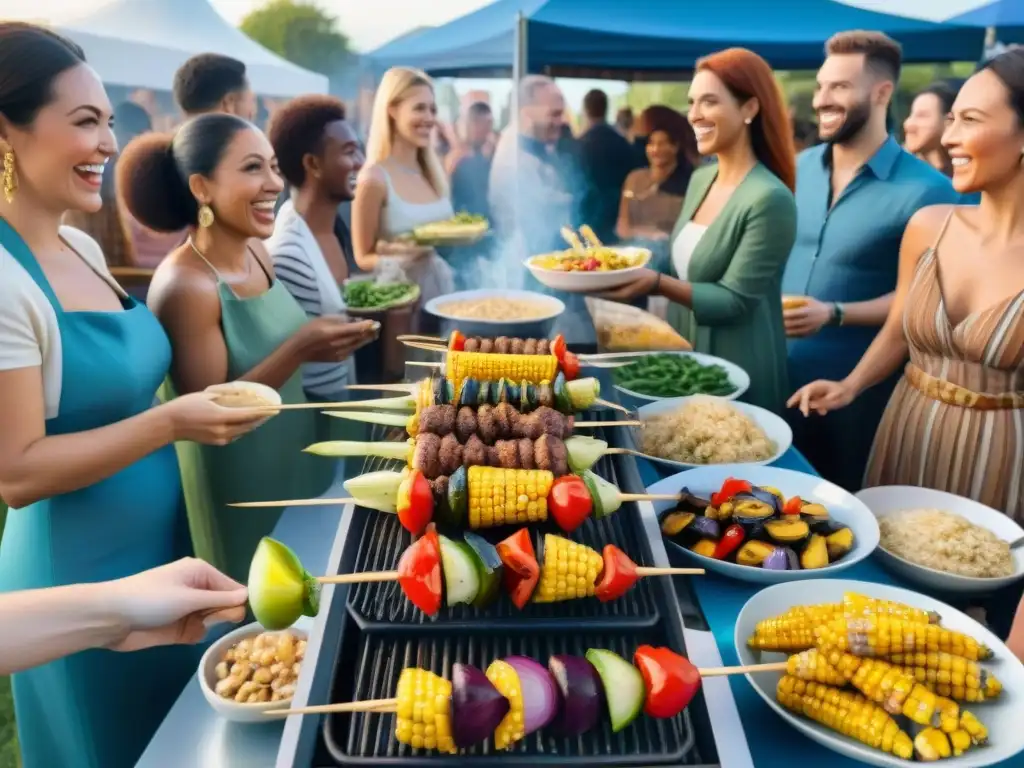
[(670, 679), (570, 365), (415, 503), (521, 569), (558, 348), (730, 488), (618, 575), (792, 506), (730, 541), (570, 502), (456, 342), (419, 572)]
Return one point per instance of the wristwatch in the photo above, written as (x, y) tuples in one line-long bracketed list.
[(838, 313)]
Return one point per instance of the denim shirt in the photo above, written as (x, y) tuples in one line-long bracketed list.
[(850, 252)]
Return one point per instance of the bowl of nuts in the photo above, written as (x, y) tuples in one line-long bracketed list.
[(251, 671)]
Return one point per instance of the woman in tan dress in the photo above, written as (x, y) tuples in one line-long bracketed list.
[(652, 197), (956, 420)]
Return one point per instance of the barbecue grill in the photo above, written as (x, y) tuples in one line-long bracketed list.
[(370, 633)]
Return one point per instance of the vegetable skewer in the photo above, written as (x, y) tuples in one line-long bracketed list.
[(441, 456), (504, 345), (480, 497), (517, 696), (435, 570)]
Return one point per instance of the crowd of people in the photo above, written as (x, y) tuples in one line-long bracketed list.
[(819, 274)]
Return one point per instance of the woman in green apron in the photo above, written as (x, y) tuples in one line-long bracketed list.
[(85, 457), (228, 318)]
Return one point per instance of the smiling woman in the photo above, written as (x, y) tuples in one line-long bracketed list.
[(229, 318)]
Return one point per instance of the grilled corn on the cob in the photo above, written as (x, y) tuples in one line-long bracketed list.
[(876, 636), (460, 366), (813, 666), (932, 744), (507, 496), (949, 675), (856, 605), (782, 635), (513, 726), (423, 718), (974, 727), (845, 712), (569, 570)]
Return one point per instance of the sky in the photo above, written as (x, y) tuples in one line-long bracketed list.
[(370, 23)]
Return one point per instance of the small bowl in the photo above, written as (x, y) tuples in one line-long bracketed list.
[(886, 500), (528, 328), (271, 395), (738, 377), (775, 427), (589, 282), (227, 708)]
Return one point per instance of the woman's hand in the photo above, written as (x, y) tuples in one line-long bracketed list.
[(821, 397), (641, 285), (196, 417), (175, 603), (333, 338)]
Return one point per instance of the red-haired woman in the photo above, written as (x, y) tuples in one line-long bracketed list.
[(737, 225)]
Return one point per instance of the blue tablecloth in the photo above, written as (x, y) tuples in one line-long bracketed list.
[(772, 743)]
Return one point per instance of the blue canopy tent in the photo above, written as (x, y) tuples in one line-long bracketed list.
[(654, 38), (1004, 19)]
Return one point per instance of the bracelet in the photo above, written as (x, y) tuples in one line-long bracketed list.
[(838, 314), (657, 283)]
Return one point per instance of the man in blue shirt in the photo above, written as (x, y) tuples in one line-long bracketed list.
[(855, 194)]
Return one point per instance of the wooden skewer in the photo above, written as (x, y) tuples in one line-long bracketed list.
[(293, 503), (359, 578), (428, 347), (650, 497), (411, 388), (383, 706), (651, 571), (630, 423), (613, 406), (414, 337)]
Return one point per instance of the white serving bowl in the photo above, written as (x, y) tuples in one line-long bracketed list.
[(775, 427), (271, 395), (886, 500), (843, 507), (738, 377), (226, 708), (1001, 716), (589, 282), (527, 328)]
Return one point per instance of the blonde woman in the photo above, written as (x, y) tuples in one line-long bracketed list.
[(403, 184)]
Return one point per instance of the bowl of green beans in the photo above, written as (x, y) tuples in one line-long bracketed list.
[(651, 377)]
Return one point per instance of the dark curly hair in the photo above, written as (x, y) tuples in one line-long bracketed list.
[(154, 169), (205, 79), (297, 130)]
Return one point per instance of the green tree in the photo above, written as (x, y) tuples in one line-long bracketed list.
[(300, 32)]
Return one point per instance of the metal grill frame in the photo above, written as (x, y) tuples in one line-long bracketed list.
[(382, 607)]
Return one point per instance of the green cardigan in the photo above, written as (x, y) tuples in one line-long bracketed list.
[(736, 273)]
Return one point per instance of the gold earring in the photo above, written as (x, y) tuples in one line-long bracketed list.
[(10, 178), (205, 216)]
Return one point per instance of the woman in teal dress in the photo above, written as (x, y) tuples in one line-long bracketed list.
[(85, 459), (737, 226), (229, 318)]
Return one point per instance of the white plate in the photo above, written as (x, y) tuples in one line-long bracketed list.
[(885, 500), (775, 427), (738, 377), (555, 306), (1001, 716), (588, 282), (843, 507), (226, 708)]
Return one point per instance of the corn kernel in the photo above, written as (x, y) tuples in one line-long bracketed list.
[(423, 711)]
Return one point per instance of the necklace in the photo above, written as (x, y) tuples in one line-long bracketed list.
[(201, 255)]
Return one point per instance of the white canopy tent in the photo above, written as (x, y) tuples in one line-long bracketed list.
[(141, 43)]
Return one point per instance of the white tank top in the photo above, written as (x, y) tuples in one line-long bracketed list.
[(684, 245), (400, 217)]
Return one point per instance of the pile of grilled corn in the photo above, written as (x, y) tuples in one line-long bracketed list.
[(864, 667)]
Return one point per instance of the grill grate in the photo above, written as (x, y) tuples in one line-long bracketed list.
[(368, 738), (382, 607)]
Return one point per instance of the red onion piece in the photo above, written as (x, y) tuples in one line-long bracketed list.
[(540, 697)]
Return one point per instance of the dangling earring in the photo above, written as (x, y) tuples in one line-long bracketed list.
[(205, 216), (10, 177)]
